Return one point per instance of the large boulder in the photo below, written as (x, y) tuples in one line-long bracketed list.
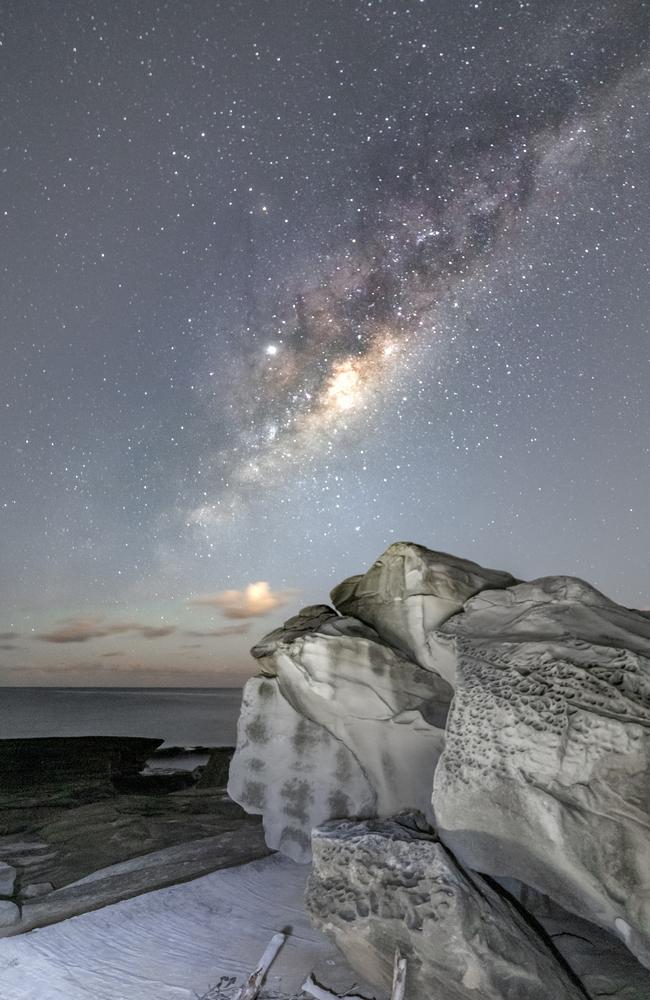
[(339, 724), (7, 879), (409, 592), (544, 777), (9, 914), (291, 771), (377, 885)]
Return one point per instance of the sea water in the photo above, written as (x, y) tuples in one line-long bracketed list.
[(184, 717)]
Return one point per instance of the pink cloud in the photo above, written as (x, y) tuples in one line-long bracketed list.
[(84, 629), (255, 600)]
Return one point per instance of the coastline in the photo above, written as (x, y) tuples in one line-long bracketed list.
[(179, 716), (110, 858), (89, 821)]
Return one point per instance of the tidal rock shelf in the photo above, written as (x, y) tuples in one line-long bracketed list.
[(514, 719), (83, 823), (178, 943)]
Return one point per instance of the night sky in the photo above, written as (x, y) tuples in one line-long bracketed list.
[(284, 282)]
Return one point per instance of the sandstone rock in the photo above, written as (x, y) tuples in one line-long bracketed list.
[(35, 889), (9, 913), (600, 961), (378, 885), (340, 725), (143, 873), (7, 879), (409, 592), (104, 851), (291, 771), (544, 776)]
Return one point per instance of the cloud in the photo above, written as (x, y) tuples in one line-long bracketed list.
[(6, 646), (84, 629), (255, 600), (155, 631), (217, 633), (8, 636)]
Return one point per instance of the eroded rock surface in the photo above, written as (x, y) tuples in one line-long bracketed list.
[(9, 914), (291, 771), (378, 885), (7, 879), (409, 592), (340, 724), (602, 963), (61, 857), (544, 777)]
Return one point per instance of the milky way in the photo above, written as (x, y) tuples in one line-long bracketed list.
[(446, 193), (281, 288)]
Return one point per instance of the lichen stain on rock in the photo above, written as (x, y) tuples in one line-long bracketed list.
[(343, 768), (254, 795), (266, 690), (292, 834), (297, 796), (339, 805), (307, 737), (257, 731)]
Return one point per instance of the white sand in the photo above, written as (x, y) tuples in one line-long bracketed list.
[(173, 944)]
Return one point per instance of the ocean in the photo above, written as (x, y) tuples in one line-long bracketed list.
[(181, 716)]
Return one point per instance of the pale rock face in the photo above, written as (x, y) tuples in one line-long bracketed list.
[(291, 771), (409, 592), (7, 879), (36, 889), (544, 777), (9, 913), (348, 723), (379, 885)]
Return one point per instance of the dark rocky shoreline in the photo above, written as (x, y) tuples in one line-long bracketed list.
[(87, 821)]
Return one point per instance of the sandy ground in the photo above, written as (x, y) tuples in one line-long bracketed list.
[(176, 943)]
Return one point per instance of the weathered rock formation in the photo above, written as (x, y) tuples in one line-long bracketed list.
[(540, 779), (76, 836), (339, 724), (409, 592), (7, 879), (378, 885), (545, 772)]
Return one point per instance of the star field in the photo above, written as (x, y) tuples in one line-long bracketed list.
[(285, 283)]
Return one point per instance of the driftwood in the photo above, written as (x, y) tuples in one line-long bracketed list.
[(251, 988), (399, 976), (398, 992), (253, 984), (320, 993)]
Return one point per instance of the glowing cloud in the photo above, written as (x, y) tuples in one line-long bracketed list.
[(256, 600), (219, 633)]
